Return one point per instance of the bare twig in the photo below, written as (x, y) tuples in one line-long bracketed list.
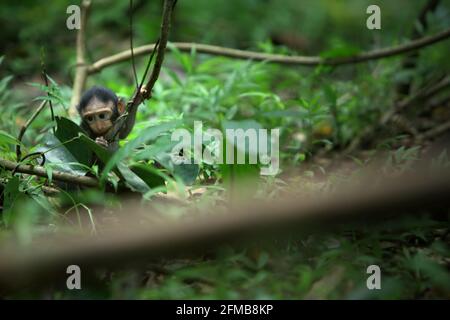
[(276, 58), (82, 68), (140, 95), (45, 78), (41, 172), (24, 128)]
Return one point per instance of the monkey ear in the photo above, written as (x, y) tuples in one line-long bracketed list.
[(121, 106)]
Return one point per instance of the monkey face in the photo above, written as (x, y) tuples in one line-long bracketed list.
[(98, 116)]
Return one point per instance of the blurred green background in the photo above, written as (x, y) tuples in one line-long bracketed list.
[(309, 27)]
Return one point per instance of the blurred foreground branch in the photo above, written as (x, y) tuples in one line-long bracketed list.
[(45, 260)]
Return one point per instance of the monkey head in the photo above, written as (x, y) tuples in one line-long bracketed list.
[(99, 108)]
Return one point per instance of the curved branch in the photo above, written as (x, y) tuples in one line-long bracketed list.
[(41, 172), (276, 58), (163, 39)]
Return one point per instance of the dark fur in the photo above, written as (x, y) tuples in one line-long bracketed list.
[(104, 95)]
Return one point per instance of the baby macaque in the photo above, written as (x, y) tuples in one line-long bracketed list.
[(99, 108)]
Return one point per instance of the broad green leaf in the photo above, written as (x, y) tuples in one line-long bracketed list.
[(186, 172), (149, 175), (102, 153), (162, 144), (60, 157), (147, 135), (132, 180), (67, 132)]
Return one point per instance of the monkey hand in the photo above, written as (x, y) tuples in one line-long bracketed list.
[(102, 142)]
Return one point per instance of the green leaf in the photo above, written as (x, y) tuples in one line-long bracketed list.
[(149, 175), (187, 172), (184, 59), (70, 150), (7, 139), (161, 145), (231, 172), (67, 132), (103, 154), (342, 50), (11, 197), (147, 135), (132, 180), (4, 82), (60, 157), (49, 171)]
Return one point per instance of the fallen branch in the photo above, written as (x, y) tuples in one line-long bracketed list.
[(81, 72), (275, 58), (56, 175)]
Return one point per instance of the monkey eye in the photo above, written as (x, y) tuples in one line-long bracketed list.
[(103, 116), (90, 118)]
